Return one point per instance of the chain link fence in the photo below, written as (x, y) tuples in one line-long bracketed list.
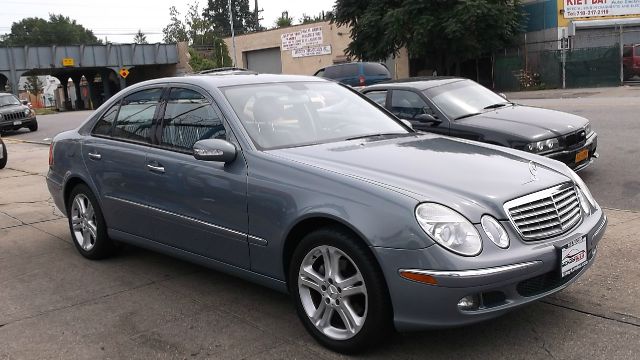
[(591, 58)]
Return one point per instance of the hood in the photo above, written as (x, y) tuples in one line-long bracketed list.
[(12, 108), (470, 177), (528, 122)]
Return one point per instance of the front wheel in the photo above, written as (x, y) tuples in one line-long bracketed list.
[(339, 291), (33, 126), (87, 225)]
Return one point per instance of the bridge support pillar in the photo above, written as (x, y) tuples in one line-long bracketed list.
[(76, 84), (95, 100), (65, 91), (3, 83), (106, 87)]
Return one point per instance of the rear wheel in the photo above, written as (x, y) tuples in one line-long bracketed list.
[(87, 225), (3, 161), (339, 291)]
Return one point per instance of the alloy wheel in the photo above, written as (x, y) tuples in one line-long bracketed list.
[(333, 292), (83, 222)]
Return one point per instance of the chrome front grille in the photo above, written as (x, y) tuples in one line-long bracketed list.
[(545, 213)]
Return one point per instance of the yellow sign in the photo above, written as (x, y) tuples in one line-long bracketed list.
[(124, 73), (68, 62)]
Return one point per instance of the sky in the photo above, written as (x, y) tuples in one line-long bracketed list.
[(119, 20)]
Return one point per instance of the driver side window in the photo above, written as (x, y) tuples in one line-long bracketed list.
[(407, 105)]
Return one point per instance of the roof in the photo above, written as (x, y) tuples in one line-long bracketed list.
[(420, 83), (231, 80)]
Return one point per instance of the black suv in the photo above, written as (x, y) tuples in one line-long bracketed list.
[(16, 114)]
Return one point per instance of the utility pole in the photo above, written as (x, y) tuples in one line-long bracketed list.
[(564, 59), (233, 35)]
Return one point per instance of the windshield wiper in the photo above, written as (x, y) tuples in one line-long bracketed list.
[(495, 106), (467, 115), (374, 135)]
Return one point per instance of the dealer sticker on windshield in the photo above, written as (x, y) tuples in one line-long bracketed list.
[(573, 256)]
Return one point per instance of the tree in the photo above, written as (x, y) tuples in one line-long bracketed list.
[(140, 37), (323, 16), (284, 20), (58, 30), (244, 20), (207, 50), (34, 86), (448, 31), (176, 31)]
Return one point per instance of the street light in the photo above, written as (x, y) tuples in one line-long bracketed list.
[(233, 35)]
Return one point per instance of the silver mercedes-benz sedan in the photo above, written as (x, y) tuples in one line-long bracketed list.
[(305, 186)]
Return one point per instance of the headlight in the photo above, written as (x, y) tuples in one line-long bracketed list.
[(449, 229), (543, 146), (583, 193), (495, 232), (27, 112), (587, 129)]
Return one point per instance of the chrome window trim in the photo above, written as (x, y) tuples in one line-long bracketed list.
[(475, 272), (245, 236), (536, 196)]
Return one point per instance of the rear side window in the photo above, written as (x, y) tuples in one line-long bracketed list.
[(188, 118), (136, 115), (374, 69), (104, 125), (380, 97), (341, 71), (627, 51)]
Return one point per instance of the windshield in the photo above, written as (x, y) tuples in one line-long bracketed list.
[(464, 98), (8, 100), (292, 114)]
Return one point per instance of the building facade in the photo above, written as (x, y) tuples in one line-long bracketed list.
[(301, 49)]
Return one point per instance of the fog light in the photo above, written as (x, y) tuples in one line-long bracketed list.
[(468, 303)]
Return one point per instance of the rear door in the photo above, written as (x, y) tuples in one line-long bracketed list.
[(200, 206), (115, 157)]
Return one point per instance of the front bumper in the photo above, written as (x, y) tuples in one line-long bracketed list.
[(502, 279), (569, 156), (17, 124)]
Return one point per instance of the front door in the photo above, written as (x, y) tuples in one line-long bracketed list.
[(200, 206)]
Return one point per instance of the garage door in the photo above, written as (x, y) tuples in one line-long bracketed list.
[(266, 61)]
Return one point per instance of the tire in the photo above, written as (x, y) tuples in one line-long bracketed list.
[(33, 127), (90, 232), (367, 308), (3, 161)]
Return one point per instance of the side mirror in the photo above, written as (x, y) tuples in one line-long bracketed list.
[(214, 150), (427, 118), (503, 95), (24, 102)]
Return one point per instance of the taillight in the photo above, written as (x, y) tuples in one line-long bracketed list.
[(361, 80), (51, 154)]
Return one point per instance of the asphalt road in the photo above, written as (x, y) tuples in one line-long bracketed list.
[(613, 178)]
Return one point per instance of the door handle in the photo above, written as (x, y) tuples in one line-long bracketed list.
[(157, 169), (95, 156)]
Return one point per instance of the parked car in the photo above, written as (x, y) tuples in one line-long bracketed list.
[(229, 70), (356, 74), (3, 154), (465, 109), (305, 186), (16, 114), (631, 61)]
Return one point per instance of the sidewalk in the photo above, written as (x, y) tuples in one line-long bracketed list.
[(614, 92)]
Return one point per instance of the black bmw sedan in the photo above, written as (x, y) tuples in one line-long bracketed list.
[(463, 108)]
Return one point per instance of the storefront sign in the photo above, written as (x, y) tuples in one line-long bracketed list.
[(596, 8), (311, 51), (301, 38)]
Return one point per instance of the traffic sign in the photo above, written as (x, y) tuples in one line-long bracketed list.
[(124, 73)]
